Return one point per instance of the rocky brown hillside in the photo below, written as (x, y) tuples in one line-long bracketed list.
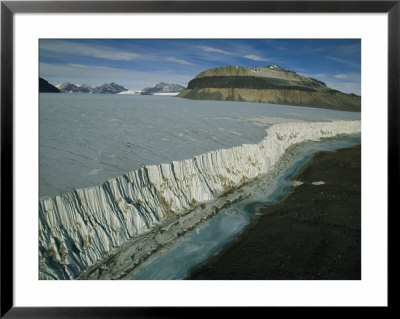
[(270, 84)]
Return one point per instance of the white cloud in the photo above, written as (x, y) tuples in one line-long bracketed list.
[(343, 61), (351, 76), (211, 49), (180, 61), (344, 82), (256, 58), (314, 75), (95, 51), (350, 50), (346, 87), (79, 70)]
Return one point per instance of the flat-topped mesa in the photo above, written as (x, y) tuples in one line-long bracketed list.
[(271, 84), (272, 71)]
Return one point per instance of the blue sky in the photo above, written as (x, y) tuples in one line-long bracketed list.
[(136, 64)]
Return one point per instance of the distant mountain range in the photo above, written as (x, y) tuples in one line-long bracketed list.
[(271, 84), (110, 88), (106, 88)]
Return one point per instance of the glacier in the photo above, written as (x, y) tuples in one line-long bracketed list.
[(84, 227), (86, 139)]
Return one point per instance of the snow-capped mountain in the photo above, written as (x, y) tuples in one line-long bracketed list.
[(106, 88), (109, 88), (69, 87), (162, 87)]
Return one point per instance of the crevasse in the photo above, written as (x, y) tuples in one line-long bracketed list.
[(79, 228)]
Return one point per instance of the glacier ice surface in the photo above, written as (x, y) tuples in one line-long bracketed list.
[(80, 228), (86, 139)]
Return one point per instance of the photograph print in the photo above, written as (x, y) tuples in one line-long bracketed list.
[(199, 159)]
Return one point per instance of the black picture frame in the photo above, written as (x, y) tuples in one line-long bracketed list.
[(9, 8)]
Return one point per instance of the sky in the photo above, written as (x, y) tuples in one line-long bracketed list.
[(139, 63)]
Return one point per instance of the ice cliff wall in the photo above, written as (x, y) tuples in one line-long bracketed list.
[(77, 229)]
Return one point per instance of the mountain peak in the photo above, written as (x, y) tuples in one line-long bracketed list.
[(162, 87), (274, 67), (45, 86)]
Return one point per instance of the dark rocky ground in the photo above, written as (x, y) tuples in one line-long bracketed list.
[(314, 233)]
